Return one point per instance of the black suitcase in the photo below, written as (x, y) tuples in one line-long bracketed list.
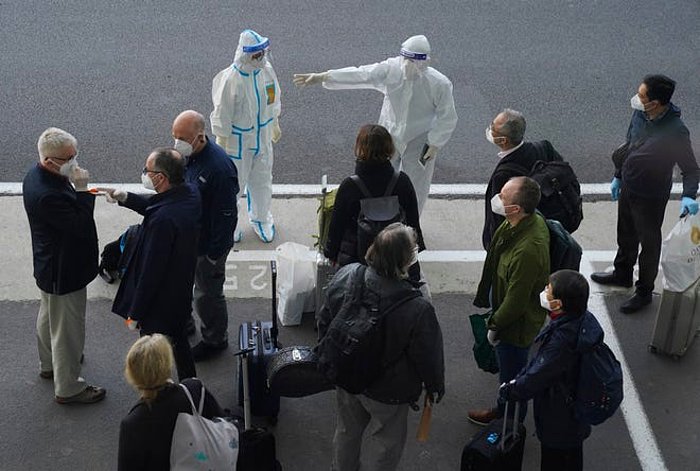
[(257, 448), (262, 337), (293, 372), (495, 448)]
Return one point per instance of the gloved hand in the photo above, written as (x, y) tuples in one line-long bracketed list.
[(615, 188), (429, 154), (688, 206), (131, 324), (492, 337), (112, 195), (222, 141), (302, 80), (504, 392), (276, 131), (436, 397), (79, 177)]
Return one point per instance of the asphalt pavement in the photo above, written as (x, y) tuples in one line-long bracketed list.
[(39, 434), (116, 74)]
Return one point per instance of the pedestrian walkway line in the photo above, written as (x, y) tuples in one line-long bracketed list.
[(472, 190), (641, 433)]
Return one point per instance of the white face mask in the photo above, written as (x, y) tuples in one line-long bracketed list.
[(147, 182), (489, 136), (546, 303), (67, 169), (183, 147), (497, 205), (636, 103), (413, 68)]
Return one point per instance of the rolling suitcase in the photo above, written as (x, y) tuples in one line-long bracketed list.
[(293, 372), (262, 337), (677, 322), (495, 448), (257, 450)]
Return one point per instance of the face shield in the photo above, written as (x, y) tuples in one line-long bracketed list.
[(415, 52), (253, 50)]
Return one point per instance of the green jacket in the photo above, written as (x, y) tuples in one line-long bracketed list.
[(516, 270)]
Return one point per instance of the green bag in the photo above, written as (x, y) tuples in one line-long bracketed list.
[(325, 212), (484, 353)]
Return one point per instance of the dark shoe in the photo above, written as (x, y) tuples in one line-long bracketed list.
[(606, 278), (483, 417), (204, 351), (89, 395), (46, 374), (635, 303)]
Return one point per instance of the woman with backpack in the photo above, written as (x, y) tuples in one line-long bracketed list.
[(551, 378), (146, 433), (374, 149)]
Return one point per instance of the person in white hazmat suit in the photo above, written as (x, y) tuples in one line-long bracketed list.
[(245, 121), (418, 109)]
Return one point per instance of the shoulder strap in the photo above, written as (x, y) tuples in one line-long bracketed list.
[(361, 185), (392, 183), (412, 295), (195, 411)]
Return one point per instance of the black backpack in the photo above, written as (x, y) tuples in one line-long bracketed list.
[(564, 251), (376, 213), (350, 353), (561, 192)]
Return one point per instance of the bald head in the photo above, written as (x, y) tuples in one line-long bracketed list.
[(189, 126)]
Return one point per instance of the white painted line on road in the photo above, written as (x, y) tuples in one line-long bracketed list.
[(436, 189), (641, 433)]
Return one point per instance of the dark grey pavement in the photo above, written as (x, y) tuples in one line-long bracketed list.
[(39, 434), (115, 73)]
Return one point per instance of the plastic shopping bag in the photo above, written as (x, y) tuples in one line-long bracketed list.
[(296, 281), (680, 255)]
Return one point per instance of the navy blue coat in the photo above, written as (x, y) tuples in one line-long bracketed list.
[(64, 237), (551, 377), (157, 287), (217, 179)]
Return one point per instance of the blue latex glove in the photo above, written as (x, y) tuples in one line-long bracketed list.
[(688, 206), (615, 188)]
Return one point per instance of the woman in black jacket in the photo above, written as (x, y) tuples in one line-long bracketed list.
[(146, 432), (551, 377), (373, 150)]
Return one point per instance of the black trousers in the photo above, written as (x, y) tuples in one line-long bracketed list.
[(184, 362), (639, 221), (555, 459)]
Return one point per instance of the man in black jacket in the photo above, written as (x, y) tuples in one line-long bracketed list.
[(657, 140), (213, 172), (64, 246), (156, 291), (413, 350), (516, 158)]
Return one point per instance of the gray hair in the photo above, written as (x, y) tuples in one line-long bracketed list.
[(53, 140), (514, 127), (393, 250)]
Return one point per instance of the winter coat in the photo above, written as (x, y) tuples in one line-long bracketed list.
[(655, 146), (157, 287), (342, 233), (64, 237), (515, 272), (550, 379), (413, 349)]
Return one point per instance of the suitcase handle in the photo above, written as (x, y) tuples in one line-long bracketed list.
[(274, 331), (514, 434)]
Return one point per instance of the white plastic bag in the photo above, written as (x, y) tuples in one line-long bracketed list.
[(296, 281), (680, 255)]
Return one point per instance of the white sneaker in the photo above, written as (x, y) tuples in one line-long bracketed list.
[(266, 232)]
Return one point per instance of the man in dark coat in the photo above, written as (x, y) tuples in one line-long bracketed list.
[(64, 245), (412, 348), (657, 140), (213, 172), (551, 377), (516, 158), (156, 291)]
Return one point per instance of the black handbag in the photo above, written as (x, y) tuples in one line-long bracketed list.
[(620, 154)]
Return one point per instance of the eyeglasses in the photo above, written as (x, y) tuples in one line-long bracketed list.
[(258, 55), (145, 171), (66, 159)]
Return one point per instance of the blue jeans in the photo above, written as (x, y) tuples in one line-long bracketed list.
[(511, 360)]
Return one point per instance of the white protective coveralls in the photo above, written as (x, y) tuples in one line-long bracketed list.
[(418, 107), (246, 98)]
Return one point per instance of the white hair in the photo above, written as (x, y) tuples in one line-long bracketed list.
[(53, 140)]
